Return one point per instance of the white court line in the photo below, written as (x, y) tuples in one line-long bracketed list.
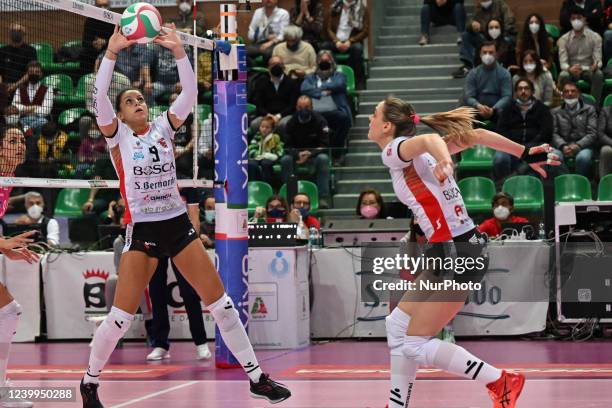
[(155, 394)]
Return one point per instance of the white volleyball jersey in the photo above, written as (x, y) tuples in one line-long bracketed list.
[(438, 208), (147, 172)]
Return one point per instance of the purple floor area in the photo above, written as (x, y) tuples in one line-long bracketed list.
[(339, 374)]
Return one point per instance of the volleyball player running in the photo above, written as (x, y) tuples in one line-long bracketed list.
[(157, 223), (421, 172), (12, 154)]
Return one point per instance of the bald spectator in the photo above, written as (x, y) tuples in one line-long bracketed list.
[(14, 58), (266, 29), (299, 56)]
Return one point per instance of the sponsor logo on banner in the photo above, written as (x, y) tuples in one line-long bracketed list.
[(279, 266), (259, 308), (263, 301), (93, 290)]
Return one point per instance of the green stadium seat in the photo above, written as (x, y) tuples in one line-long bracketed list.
[(204, 111), (554, 71), (477, 193), (80, 94), (259, 61), (251, 108), (476, 158), (69, 202), (553, 31), (341, 57), (259, 192), (307, 187), (527, 191), (572, 187), (62, 84), (44, 55), (604, 191), (350, 84), (260, 69), (608, 101), (69, 116), (155, 111), (583, 85), (589, 99)]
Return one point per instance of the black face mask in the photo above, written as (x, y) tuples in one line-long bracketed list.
[(276, 71), (293, 47), (33, 78), (324, 65), (16, 36), (304, 115)]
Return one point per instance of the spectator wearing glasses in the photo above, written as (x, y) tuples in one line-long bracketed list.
[(300, 207)]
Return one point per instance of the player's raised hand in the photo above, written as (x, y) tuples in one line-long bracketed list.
[(118, 41), (168, 38), (443, 170), (18, 241), (539, 156)]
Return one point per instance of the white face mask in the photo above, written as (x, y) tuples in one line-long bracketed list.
[(184, 7), (577, 24), (494, 33), (35, 211), (501, 213), (534, 28), (486, 4), (571, 102), (529, 68), (488, 59)]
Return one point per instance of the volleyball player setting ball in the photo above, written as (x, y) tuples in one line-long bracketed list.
[(157, 223), (421, 170), (12, 154)]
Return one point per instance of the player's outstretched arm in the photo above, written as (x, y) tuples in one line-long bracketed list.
[(188, 97), (103, 107), (15, 247)]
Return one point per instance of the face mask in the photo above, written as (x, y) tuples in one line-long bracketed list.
[(494, 33), (276, 71), (519, 101), (324, 65), (534, 28), (35, 211), (577, 24), (209, 216), (369, 211), (304, 115), (529, 68), (33, 78), (486, 4), (16, 36), (293, 47), (501, 213), (277, 212), (571, 102), (488, 59), (184, 7), (304, 212)]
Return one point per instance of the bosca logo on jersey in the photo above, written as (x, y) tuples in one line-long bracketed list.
[(154, 169)]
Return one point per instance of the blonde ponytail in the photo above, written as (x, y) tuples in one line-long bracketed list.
[(456, 125)]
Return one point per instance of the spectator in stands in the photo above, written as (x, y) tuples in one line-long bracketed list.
[(298, 56), (266, 30), (93, 146), (184, 19), (95, 38), (115, 212), (205, 77), (347, 27), (264, 151), (592, 10), (207, 227), (532, 69), (607, 31), (35, 206), (526, 121), (33, 101), (505, 49), (440, 13), (475, 31), (502, 205), (300, 207), (308, 14), (604, 130), (488, 87), (575, 129), (15, 57), (327, 89), (98, 199), (164, 66), (307, 141), (536, 38), (275, 95), (51, 150), (370, 205), (580, 54), (274, 211)]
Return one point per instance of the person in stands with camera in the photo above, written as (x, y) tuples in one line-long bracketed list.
[(502, 205), (35, 205)]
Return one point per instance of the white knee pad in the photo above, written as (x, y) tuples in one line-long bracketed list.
[(225, 314), (396, 325), (420, 349), (9, 319), (116, 324)]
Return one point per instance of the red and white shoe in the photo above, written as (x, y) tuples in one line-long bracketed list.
[(505, 391)]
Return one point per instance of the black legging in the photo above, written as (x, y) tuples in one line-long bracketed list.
[(159, 291)]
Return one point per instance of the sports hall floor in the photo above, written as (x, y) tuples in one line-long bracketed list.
[(345, 374)]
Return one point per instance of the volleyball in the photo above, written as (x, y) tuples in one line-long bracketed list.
[(141, 22)]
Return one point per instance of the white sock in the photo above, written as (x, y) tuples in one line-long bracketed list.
[(105, 340), (9, 319), (235, 337), (457, 360), (403, 370)]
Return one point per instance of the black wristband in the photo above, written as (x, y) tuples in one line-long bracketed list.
[(533, 158)]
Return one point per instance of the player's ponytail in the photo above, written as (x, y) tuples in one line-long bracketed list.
[(455, 124)]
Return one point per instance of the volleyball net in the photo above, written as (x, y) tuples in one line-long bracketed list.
[(50, 51)]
